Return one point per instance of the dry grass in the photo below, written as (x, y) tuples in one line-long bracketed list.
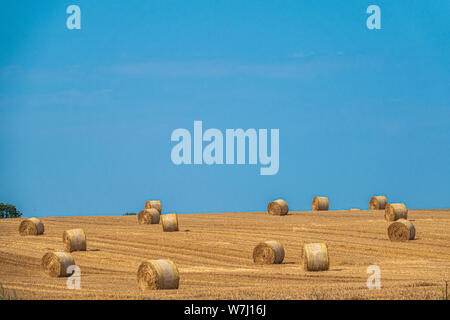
[(213, 253)]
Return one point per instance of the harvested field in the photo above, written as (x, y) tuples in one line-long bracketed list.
[(213, 254)]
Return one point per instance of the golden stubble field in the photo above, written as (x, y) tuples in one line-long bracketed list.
[(213, 253)]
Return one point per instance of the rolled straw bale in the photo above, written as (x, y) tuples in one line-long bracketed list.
[(401, 230), (149, 216), (74, 240), (31, 227), (320, 203), (378, 203), (269, 252), (158, 274), (278, 208), (55, 264), (315, 257), (169, 222), (395, 211), (153, 204), (355, 209)]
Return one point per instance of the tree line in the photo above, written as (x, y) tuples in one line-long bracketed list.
[(9, 211)]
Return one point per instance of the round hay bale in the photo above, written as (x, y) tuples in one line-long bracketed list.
[(74, 240), (401, 230), (320, 203), (169, 222), (315, 257), (278, 208), (31, 227), (149, 216), (55, 264), (378, 203), (395, 211), (355, 209), (157, 275), (269, 252), (156, 204)]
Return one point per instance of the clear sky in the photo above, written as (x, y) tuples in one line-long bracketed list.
[(87, 115)]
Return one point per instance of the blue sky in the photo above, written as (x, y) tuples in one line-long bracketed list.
[(86, 115)]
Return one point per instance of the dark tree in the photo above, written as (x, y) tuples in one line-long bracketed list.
[(9, 211)]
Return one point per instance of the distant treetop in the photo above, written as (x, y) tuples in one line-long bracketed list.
[(9, 211)]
